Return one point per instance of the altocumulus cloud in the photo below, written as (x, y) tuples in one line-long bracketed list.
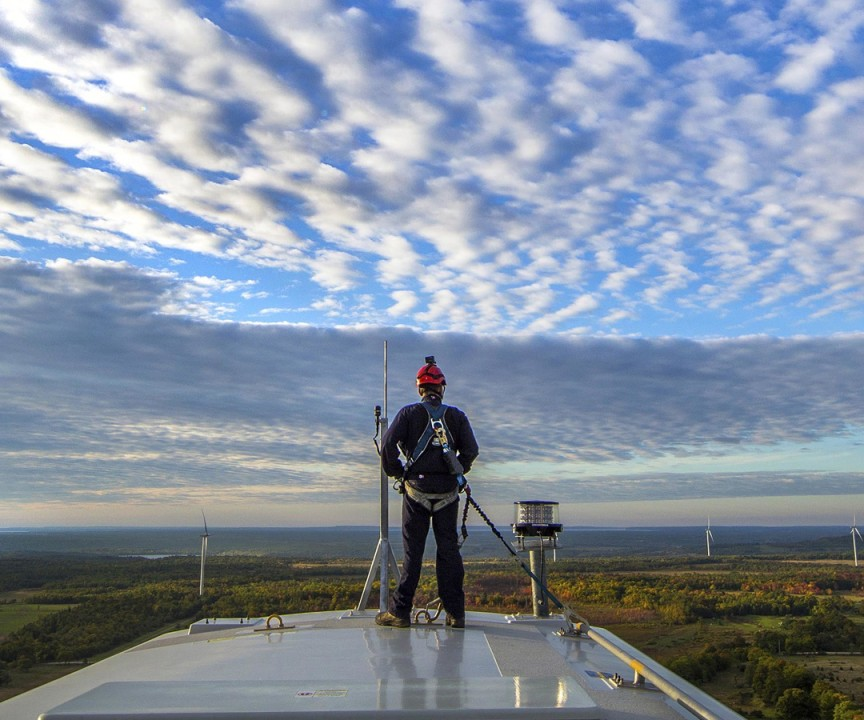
[(110, 395), (624, 167)]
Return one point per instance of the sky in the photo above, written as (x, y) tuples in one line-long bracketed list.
[(631, 231)]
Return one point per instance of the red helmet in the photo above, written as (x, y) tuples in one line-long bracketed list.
[(430, 373)]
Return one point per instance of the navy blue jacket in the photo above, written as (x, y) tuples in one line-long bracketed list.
[(429, 473)]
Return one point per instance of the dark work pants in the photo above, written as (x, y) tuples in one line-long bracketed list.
[(448, 561)]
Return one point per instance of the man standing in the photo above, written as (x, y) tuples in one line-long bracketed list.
[(439, 446)]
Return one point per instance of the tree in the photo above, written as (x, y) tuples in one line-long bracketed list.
[(847, 710), (796, 704), (827, 698)]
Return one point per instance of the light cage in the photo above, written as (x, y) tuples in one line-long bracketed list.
[(536, 518)]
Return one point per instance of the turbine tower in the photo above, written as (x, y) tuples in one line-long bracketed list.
[(204, 537), (709, 538), (855, 534)]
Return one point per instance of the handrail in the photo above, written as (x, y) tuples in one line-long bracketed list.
[(688, 696)]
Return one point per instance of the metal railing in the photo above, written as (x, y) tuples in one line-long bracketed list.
[(700, 704)]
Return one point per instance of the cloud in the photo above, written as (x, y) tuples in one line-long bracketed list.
[(655, 19), (105, 396), (837, 25), (43, 117), (581, 305), (549, 25), (807, 65), (404, 302), (334, 269), (515, 159)]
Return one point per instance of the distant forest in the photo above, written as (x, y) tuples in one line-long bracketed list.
[(359, 542), (753, 631)]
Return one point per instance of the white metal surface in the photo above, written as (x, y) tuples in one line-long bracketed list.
[(324, 666), (427, 699)]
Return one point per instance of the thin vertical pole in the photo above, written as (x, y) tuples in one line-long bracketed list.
[(384, 530), (384, 559), (385, 510), (537, 559)]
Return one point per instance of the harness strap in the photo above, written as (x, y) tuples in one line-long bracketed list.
[(433, 502), (435, 414)]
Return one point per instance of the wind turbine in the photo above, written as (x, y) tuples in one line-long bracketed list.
[(854, 533), (709, 538), (203, 554)]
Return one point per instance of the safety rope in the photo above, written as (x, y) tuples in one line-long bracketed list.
[(570, 615), (464, 530)]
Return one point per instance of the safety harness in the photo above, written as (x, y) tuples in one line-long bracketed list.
[(436, 432), (436, 427), (433, 502)]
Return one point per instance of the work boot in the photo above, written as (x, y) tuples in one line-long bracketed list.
[(390, 620), (455, 622)]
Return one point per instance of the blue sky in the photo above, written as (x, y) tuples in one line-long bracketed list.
[(630, 231)]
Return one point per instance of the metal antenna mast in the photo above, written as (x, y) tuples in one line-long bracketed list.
[(384, 560)]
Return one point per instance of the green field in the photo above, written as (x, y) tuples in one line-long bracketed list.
[(15, 611)]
